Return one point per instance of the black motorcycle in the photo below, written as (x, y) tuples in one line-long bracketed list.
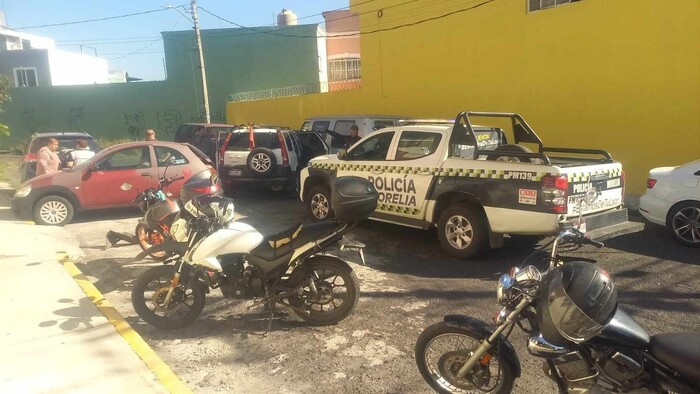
[(290, 269), (571, 316)]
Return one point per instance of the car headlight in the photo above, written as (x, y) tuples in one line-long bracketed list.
[(504, 289), (23, 191)]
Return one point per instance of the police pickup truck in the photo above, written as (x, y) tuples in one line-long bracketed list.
[(474, 185)]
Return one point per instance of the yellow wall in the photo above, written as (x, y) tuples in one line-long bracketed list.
[(620, 75)]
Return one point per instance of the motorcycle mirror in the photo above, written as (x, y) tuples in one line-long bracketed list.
[(125, 186)]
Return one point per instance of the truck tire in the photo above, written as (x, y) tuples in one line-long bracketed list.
[(463, 231), (501, 154), (319, 203)]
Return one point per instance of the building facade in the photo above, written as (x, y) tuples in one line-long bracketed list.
[(619, 75)]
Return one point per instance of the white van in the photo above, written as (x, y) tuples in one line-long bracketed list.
[(341, 124)]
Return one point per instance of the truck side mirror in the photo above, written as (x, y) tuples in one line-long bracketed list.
[(342, 153)]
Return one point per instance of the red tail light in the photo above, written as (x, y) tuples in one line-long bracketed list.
[(555, 191), (206, 189), (283, 147), (650, 183), (30, 157)]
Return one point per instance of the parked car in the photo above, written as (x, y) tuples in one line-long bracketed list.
[(66, 142), (208, 141), (274, 157), (341, 124), (52, 199), (672, 199)]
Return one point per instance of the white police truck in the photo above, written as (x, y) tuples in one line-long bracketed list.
[(473, 184)]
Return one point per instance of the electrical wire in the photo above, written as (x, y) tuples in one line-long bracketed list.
[(151, 44), (378, 30), (93, 20)]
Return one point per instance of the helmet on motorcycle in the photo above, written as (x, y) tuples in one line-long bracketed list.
[(575, 303)]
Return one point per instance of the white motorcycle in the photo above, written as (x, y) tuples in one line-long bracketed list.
[(289, 269)]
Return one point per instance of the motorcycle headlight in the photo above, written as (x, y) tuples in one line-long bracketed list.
[(23, 191), (504, 289)]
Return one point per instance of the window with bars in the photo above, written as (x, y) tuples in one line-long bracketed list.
[(344, 69), (25, 77), (534, 5)]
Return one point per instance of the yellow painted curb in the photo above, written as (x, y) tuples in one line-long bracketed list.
[(162, 371)]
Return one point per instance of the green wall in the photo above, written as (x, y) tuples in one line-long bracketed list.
[(237, 60), (242, 60)]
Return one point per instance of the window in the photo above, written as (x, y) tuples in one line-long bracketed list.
[(380, 124), (415, 144), (534, 5), (169, 157), (240, 140), (126, 159), (343, 126), (344, 69), (306, 126), (373, 148), (321, 125), (25, 77)]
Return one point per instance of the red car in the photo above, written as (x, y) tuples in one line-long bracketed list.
[(53, 198)]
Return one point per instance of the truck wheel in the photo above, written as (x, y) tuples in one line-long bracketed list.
[(501, 154), (462, 231), (53, 211), (319, 203)]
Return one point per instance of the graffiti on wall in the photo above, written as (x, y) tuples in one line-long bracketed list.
[(168, 121), (135, 123), (218, 116), (34, 122), (75, 115)]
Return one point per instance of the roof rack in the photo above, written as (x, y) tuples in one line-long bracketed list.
[(408, 122)]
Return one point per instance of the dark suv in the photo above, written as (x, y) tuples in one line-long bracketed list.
[(66, 142), (207, 139)]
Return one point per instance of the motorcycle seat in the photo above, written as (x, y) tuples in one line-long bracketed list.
[(679, 351), (280, 244)]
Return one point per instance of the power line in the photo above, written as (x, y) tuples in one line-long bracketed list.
[(92, 20), (358, 33), (108, 43), (288, 28), (151, 44)]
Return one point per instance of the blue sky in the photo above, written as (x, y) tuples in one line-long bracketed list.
[(133, 43)]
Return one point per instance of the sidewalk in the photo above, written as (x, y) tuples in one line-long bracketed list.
[(53, 338)]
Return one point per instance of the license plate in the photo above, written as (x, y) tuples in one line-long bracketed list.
[(613, 183), (235, 172)]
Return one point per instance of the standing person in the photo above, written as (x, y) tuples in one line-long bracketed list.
[(80, 154), (47, 161), (150, 135), (346, 140)]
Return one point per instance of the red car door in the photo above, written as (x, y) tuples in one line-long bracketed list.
[(172, 163), (101, 183)]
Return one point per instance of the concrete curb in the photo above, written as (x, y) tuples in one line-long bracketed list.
[(162, 371)]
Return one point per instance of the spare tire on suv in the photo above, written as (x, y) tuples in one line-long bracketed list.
[(262, 162)]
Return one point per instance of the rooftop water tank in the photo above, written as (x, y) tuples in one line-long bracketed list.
[(286, 18)]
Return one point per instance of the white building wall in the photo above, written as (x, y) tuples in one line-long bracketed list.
[(69, 68)]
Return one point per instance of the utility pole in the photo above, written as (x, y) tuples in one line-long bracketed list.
[(205, 91)]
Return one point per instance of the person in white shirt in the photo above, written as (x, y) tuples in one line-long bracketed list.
[(80, 154)]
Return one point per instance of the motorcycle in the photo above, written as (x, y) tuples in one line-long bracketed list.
[(161, 209), (582, 354), (289, 269)]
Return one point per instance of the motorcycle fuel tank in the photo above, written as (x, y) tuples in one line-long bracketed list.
[(236, 238), (622, 331)]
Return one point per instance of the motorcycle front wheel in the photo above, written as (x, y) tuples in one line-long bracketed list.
[(149, 293), (336, 290), (441, 351), (148, 238)]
